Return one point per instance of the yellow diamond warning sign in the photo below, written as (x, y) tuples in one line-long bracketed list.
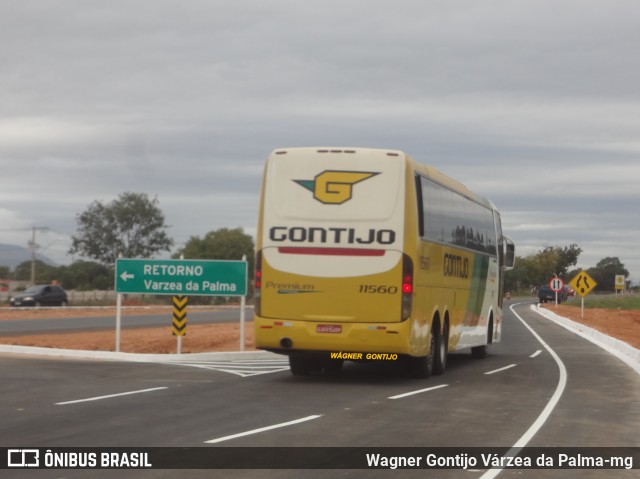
[(582, 283)]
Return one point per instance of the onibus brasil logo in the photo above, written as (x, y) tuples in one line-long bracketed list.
[(333, 187)]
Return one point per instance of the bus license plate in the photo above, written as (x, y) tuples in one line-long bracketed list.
[(329, 328)]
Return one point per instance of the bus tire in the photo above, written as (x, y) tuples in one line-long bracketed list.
[(479, 352), (300, 366), (421, 367), (333, 366), (490, 331), (440, 353)]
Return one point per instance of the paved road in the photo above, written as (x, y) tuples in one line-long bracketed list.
[(565, 392), (28, 326)]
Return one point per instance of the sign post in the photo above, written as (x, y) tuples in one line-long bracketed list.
[(619, 285), (118, 320), (180, 278), (556, 285), (118, 314), (582, 283), (242, 313)]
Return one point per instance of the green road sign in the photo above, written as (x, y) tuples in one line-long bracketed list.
[(181, 277)]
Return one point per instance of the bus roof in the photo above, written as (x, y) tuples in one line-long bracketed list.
[(428, 171)]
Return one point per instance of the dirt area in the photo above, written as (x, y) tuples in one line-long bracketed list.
[(620, 324), (199, 337), (624, 325)]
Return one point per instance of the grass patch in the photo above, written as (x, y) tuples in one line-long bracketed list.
[(627, 301)]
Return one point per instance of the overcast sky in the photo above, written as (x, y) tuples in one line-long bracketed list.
[(533, 104)]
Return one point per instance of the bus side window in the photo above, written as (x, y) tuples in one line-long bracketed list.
[(420, 206)]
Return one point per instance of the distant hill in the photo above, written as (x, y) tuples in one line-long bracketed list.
[(12, 255)]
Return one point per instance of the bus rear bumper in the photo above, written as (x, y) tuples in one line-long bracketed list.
[(295, 337)]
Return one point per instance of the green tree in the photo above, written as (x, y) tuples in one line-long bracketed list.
[(518, 278), (537, 268), (5, 272), (86, 276), (604, 273), (224, 244), (45, 273), (567, 257), (131, 225), (221, 244)]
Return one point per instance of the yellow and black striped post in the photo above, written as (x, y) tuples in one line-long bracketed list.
[(180, 315)]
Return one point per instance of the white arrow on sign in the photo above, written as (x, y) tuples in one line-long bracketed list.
[(125, 276)]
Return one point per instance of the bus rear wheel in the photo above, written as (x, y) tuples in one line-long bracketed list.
[(303, 366), (440, 353), (480, 352), (421, 367), (333, 366)]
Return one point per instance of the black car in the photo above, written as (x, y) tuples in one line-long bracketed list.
[(546, 295), (43, 295)]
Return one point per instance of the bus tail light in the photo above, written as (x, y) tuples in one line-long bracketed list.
[(257, 285), (407, 286)]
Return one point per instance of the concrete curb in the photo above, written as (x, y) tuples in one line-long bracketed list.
[(620, 349), (136, 357)]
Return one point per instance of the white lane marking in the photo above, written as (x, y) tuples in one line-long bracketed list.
[(243, 374), (262, 429), (501, 369), (417, 392), (548, 409), (243, 368), (536, 354), (97, 398)]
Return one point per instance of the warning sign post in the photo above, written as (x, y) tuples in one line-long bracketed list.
[(583, 284)]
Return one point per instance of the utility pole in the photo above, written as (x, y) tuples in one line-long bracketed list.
[(33, 247)]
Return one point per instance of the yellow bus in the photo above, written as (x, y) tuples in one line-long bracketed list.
[(366, 254)]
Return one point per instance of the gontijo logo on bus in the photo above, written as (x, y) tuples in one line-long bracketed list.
[(333, 187)]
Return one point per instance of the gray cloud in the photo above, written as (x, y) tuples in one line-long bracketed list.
[(532, 104)]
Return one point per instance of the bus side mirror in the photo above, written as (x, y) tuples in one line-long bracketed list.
[(509, 253)]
